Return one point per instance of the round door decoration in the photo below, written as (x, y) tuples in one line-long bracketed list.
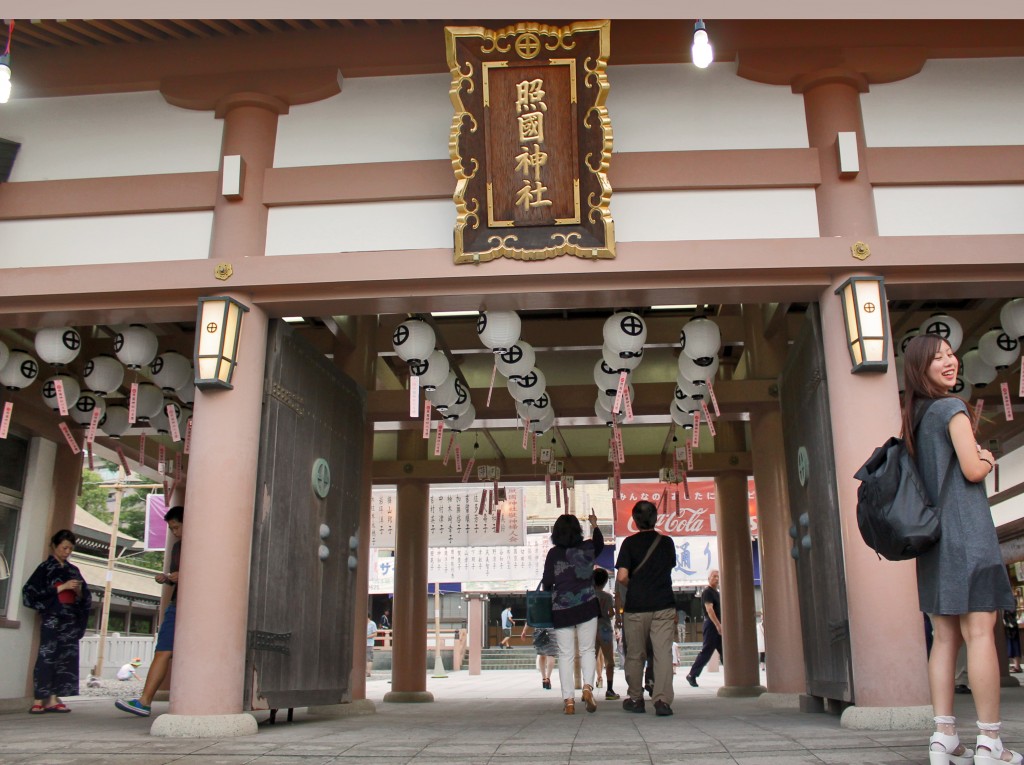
[(321, 478)]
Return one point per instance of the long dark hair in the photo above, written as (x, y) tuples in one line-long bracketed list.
[(567, 531), (917, 358)]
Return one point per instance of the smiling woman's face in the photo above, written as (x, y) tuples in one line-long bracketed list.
[(943, 368)]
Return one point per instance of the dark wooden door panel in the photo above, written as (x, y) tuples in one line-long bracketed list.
[(814, 504), (301, 606)]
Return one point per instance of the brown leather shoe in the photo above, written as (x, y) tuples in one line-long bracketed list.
[(570, 707), (588, 698)]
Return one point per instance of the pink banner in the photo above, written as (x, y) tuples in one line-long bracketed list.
[(156, 528)]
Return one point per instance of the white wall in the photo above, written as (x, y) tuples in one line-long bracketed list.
[(961, 102), (16, 644), (108, 135), (109, 239), (1011, 473), (949, 210)]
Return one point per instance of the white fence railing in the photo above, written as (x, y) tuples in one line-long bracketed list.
[(118, 651)]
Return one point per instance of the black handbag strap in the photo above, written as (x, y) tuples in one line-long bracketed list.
[(657, 540)]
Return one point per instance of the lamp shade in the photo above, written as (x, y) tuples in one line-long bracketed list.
[(464, 421), (622, 360), (998, 349), (543, 424), (701, 339), (682, 413), (606, 378), (88, 402), (692, 371), (71, 391), (444, 393), (604, 414), (58, 345), (171, 370), (148, 402), (535, 409), (136, 346), (115, 423), (946, 327), (218, 331), (685, 389), (19, 371), (498, 330), (103, 374), (5, 353), (529, 387), (976, 370), (624, 332), (608, 400), (516, 360), (1011, 317), (458, 401), (413, 339), (866, 320)]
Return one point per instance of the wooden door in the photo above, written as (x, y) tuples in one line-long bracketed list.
[(814, 504), (301, 594)]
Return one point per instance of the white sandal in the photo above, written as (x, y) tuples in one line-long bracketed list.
[(994, 753), (941, 747)]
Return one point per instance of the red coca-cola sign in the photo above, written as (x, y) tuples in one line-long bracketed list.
[(678, 516)]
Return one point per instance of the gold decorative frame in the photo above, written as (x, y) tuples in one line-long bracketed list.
[(591, 233)]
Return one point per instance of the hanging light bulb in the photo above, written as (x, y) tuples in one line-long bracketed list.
[(703, 55), (5, 78)]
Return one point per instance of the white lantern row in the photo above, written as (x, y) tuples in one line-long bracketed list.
[(58, 346), (88, 402), (498, 330), (71, 391), (103, 374), (976, 371), (701, 340), (19, 371), (946, 327), (998, 348), (171, 371), (136, 346)]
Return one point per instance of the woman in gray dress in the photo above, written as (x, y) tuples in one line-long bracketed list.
[(961, 582)]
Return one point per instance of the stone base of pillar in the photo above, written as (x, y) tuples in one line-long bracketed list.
[(888, 718), (7, 706), (353, 708), (779, 700), (1009, 682), (407, 697), (741, 691), (204, 726)]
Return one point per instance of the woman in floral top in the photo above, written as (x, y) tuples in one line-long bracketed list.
[(569, 574)]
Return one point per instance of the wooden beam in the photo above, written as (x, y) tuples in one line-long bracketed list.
[(775, 318)]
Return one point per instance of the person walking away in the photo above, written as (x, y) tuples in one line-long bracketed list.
[(962, 583), (164, 651), (371, 636), (569, 575), (760, 639), (59, 593), (645, 564), (506, 627), (712, 632), (605, 635)]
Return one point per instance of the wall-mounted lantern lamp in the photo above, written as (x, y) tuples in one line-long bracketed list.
[(217, 332), (867, 322)]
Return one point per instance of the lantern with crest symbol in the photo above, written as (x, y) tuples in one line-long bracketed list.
[(58, 346), (103, 374), (88, 402), (700, 339), (413, 339), (624, 332), (71, 391), (516, 360), (498, 330), (946, 327), (171, 371), (136, 346), (998, 348), (115, 423), (19, 371)]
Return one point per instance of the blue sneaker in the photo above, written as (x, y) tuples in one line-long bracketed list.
[(133, 707)]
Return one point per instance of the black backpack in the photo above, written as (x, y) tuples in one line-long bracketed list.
[(894, 513)]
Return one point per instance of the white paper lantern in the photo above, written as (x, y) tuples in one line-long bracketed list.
[(606, 378), (961, 389), (682, 413), (19, 371), (432, 370), (136, 346), (58, 345), (498, 330), (605, 415), (463, 422), (71, 391), (1011, 317), (535, 409), (88, 402), (171, 370), (998, 348), (115, 421), (701, 339), (458, 404), (413, 339), (103, 374), (529, 387), (147, 404), (544, 424), (187, 394), (946, 327), (689, 390), (516, 360), (444, 393), (5, 354), (907, 336), (619, 362), (160, 420), (690, 370), (624, 332), (976, 370), (608, 399)]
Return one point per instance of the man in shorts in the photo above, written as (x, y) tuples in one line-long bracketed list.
[(175, 519)]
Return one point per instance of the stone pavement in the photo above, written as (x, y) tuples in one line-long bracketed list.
[(497, 718)]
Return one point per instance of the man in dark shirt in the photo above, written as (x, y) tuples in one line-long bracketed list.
[(712, 602), (645, 564)]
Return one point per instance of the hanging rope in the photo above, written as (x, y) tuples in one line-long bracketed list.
[(10, 34)]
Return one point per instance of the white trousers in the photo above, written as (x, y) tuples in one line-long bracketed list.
[(566, 639)]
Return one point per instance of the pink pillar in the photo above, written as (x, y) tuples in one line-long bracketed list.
[(477, 628), (780, 597), (888, 659)]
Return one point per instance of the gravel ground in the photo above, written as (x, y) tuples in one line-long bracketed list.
[(126, 689)]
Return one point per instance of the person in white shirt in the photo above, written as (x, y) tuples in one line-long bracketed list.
[(127, 671)]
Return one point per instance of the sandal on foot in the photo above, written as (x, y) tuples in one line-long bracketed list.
[(59, 707), (569, 707), (946, 749), (990, 750), (588, 698), (37, 709)]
